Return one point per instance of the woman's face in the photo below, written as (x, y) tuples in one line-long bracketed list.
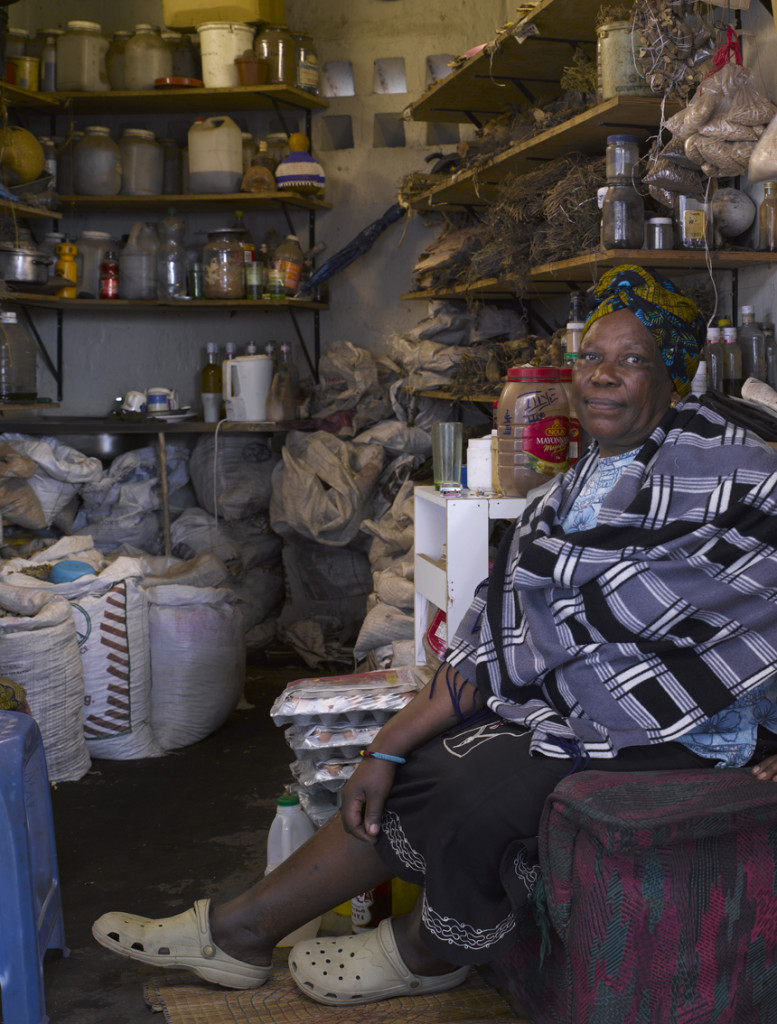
[(621, 384)]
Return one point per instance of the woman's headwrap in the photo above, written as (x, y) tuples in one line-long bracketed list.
[(672, 319)]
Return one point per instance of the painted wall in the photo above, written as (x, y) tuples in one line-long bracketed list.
[(107, 355)]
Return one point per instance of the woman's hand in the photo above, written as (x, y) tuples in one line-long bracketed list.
[(364, 796), (767, 769)]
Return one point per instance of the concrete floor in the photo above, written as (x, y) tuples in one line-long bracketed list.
[(152, 836)]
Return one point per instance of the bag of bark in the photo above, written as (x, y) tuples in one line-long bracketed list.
[(240, 468), (323, 487), (198, 661), (350, 381), (39, 650)]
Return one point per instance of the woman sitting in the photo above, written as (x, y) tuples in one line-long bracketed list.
[(628, 624)]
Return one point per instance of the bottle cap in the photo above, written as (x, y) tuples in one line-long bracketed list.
[(288, 800), (748, 310), (621, 138), (212, 346)]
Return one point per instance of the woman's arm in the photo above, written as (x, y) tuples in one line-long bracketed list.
[(437, 708)]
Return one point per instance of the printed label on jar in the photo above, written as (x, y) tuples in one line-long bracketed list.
[(291, 274), (547, 440), (307, 73)]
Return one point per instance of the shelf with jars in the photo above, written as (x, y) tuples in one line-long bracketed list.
[(194, 202)]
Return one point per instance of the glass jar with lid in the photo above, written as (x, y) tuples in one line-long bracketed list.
[(81, 51), (223, 267), (114, 59), (623, 218), (307, 63), (277, 149), (146, 58), (767, 218), (143, 163), (659, 233), (621, 156), (276, 44), (96, 163)]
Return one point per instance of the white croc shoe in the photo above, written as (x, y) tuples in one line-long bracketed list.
[(362, 968), (182, 941)]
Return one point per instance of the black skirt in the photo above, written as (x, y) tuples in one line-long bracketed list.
[(462, 820)]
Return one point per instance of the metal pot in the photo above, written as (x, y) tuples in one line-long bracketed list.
[(28, 266)]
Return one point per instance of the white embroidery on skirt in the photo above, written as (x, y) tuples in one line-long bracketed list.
[(458, 933), (395, 834), (527, 872)]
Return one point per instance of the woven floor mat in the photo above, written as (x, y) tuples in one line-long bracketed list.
[(185, 999)]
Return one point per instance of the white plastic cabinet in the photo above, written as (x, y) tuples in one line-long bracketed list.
[(451, 552)]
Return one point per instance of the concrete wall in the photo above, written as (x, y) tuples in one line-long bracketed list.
[(105, 355)]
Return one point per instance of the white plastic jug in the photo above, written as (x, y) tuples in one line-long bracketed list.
[(247, 381), (215, 156), (290, 828)]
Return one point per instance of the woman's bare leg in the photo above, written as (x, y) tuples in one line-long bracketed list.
[(330, 868)]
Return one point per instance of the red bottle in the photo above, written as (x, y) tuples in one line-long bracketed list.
[(109, 276), (372, 907)]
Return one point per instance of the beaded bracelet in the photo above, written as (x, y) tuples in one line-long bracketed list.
[(383, 757)]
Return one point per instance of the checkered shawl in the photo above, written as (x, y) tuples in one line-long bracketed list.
[(635, 631)]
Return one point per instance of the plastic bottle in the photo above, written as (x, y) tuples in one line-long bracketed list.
[(215, 156), (243, 236), (771, 353), (137, 263), (171, 257), (66, 267), (479, 472), (753, 345), (263, 257), (109, 276), (211, 385), (146, 58), (370, 908), (290, 828), (288, 258), (97, 168), (92, 246), (732, 363), (767, 218), (699, 380), (48, 65), (283, 399), (713, 358), (18, 361)]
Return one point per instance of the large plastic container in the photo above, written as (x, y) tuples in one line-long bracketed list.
[(114, 58), (220, 43), (137, 263), (92, 247), (18, 362), (143, 163), (532, 429), (96, 163), (617, 72), (81, 51), (290, 828), (146, 58), (215, 156), (191, 13)]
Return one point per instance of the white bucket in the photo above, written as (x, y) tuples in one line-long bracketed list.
[(616, 72), (220, 43)]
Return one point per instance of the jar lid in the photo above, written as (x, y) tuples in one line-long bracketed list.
[(246, 135), (170, 34), (45, 140), (103, 129), (576, 325), (146, 28), (95, 234), (139, 133), (51, 32), (659, 220), (621, 138), (539, 373), (277, 137), (22, 33), (122, 33), (84, 26)]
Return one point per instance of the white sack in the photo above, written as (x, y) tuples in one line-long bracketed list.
[(39, 650), (60, 474), (243, 468), (197, 661), (393, 533), (323, 486), (350, 381), (382, 625)]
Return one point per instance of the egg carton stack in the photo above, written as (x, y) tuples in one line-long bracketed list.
[(330, 720)]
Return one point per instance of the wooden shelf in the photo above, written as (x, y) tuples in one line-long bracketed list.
[(15, 408), (23, 210), (586, 133), (516, 71), (159, 305), (187, 101), (191, 201), (15, 96), (489, 288), (116, 425)]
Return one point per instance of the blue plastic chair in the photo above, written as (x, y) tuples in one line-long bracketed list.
[(30, 897)]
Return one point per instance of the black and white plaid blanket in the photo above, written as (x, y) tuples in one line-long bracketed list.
[(635, 631)]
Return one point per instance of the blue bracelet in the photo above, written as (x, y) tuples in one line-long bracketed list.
[(383, 757)]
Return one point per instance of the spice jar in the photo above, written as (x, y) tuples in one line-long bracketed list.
[(621, 156), (276, 44), (659, 233), (146, 58), (532, 429), (143, 163), (623, 218), (223, 266), (307, 63)]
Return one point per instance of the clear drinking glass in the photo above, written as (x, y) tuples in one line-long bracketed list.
[(446, 455)]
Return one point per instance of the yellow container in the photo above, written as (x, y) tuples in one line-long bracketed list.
[(189, 14), (24, 72)]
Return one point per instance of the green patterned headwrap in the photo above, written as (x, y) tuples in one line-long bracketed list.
[(672, 319)]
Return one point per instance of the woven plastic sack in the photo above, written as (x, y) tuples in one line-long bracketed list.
[(323, 486), (350, 382), (242, 466), (61, 471), (39, 650), (382, 625), (197, 661)]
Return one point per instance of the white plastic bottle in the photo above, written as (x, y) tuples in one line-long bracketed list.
[(290, 828)]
